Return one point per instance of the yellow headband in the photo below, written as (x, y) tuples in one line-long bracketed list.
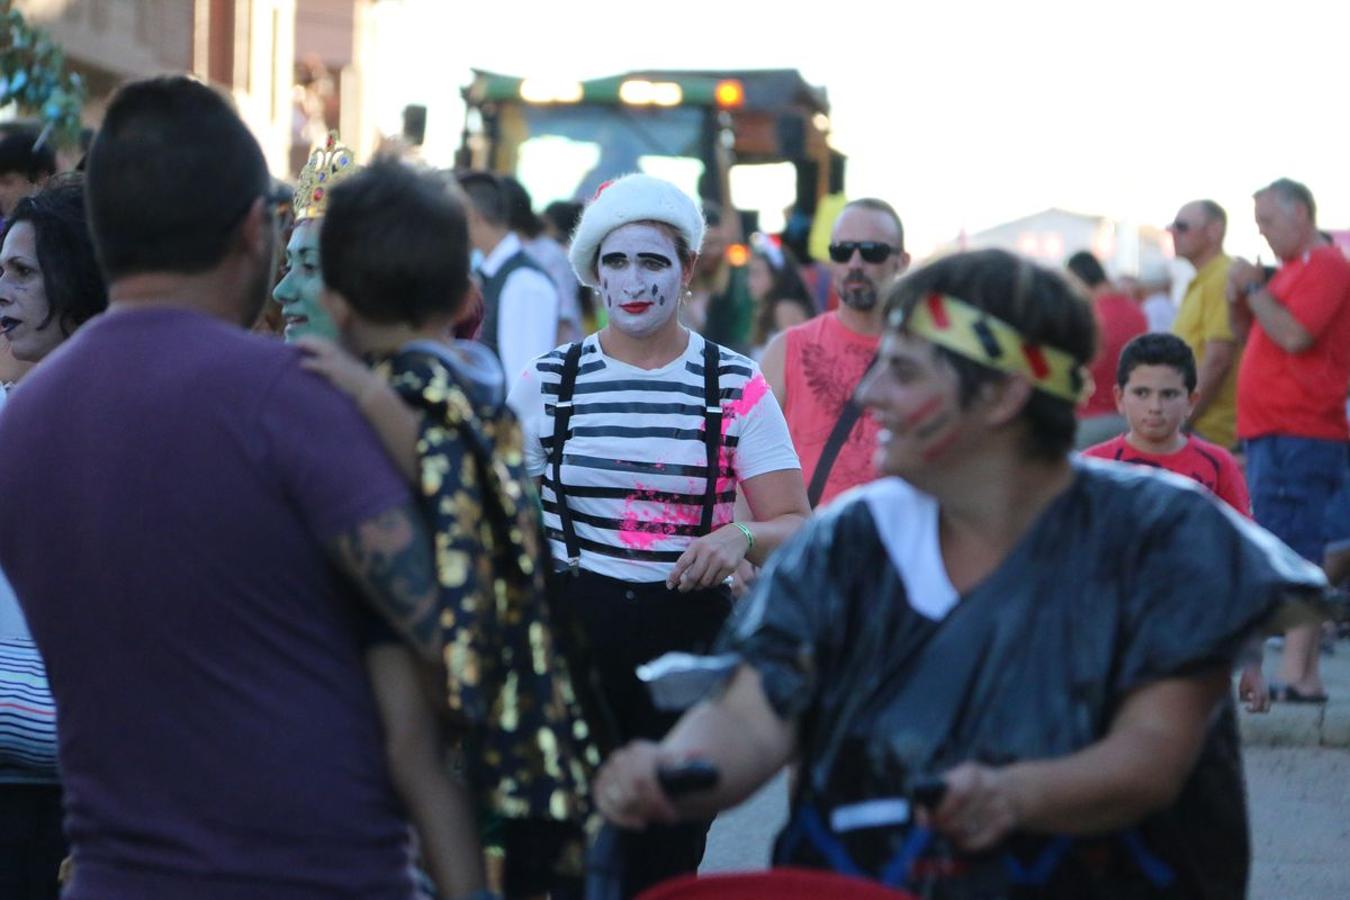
[(971, 332)]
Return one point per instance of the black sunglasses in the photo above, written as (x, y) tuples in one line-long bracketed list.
[(1180, 227), (872, 251)]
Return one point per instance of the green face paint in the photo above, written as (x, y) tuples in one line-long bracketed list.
[(300, 291)]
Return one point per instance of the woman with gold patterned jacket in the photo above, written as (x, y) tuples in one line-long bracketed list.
[(394, 256)]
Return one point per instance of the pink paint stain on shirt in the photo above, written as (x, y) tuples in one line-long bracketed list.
[(751, 394), (643, 526), (648, 520)]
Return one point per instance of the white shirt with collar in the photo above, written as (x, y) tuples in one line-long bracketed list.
[(527, 310)]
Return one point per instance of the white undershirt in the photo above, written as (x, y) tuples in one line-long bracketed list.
[(527, 309), (907, 522)]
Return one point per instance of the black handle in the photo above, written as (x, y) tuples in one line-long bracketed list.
[(928, 791), (687, 778)]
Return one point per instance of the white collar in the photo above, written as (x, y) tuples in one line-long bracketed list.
[(508, 247)]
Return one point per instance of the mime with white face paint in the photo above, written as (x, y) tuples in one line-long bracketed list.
[(641, 436)]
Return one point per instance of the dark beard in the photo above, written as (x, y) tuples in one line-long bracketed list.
[(861, 297), (259, 287), (255, 296)]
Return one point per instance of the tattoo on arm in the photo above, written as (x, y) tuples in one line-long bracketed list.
[(389, 557)]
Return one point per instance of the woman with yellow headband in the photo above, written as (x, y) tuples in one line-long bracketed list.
[(1004, 670)]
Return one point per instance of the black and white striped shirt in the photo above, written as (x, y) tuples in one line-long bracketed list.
[(635, 467)]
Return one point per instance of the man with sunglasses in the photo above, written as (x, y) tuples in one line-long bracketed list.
[(191, 522), (814, 368), (1202, 320)]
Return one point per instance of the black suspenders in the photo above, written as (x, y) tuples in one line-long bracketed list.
[(712, 434), (562, 417), (712, 441)]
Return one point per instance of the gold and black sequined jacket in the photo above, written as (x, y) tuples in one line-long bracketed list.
[(530, 752)]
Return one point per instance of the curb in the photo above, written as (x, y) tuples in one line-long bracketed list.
[(1293, 725), (1304, 724)]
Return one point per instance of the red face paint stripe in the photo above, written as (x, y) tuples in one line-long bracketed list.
[(938, 312), (941, 447), (923, 412), (1039, 367)]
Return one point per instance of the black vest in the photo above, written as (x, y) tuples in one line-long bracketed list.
[(492, 293)]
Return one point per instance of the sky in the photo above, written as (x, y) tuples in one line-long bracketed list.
[(964, 114)]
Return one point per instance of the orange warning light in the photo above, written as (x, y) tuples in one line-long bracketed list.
[(730, 94), (738, 254)]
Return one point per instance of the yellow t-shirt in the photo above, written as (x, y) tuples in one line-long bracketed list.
[(1203, 316)]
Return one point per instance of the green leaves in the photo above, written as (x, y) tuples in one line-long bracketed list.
[(33, 75)]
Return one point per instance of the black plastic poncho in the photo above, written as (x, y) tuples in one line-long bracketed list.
[(1126, 578)]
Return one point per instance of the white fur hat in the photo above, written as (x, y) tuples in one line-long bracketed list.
[(632, 198)]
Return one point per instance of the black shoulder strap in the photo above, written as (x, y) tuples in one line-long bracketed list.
[(712, 437), (848, 417), (562, 416), (521, 259)]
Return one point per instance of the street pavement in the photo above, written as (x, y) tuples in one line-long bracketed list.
[(1297, 799)]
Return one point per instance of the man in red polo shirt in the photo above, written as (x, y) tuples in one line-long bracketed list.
[(1291, 393)]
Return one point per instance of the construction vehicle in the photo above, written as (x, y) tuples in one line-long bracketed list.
[(562, 139)]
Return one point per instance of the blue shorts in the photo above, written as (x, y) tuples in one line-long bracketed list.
[(1292, 482), (1338, 518)]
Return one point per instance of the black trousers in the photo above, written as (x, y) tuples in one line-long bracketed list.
[(32, 843), (623, 625)]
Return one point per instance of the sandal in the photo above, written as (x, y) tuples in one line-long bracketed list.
[(1283, 693)]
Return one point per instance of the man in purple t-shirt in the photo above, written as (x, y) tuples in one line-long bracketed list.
[(192, 524)]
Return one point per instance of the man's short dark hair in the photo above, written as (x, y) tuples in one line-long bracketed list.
[(485, 192), (1157, 349), (564, 216), (70, 274), (1086, 267), (395, 244), (520, 216), (171, 174), (20, 152), (881, 206), (1039, 303), (1292, 192)]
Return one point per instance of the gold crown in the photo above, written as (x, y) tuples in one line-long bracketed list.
[(328, 166)]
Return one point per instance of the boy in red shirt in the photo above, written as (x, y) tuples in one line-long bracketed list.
[(1155, 392)]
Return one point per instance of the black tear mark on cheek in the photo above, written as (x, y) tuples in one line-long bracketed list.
[(656, 295)]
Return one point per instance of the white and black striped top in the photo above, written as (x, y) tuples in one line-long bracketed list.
[(635, 466)]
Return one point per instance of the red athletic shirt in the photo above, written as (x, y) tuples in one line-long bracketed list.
[(1118, 319), (1207, 463), (1301, 394)]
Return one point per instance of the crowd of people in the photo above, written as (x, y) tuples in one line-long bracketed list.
[(345, 594)]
